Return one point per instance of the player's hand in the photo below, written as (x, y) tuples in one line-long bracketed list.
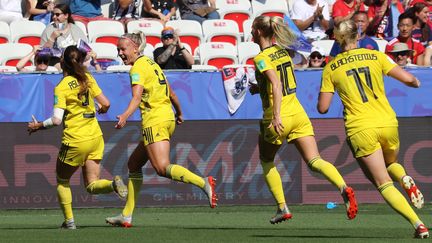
[(33, 126), (179, 119), (121, 121), (277, 124)]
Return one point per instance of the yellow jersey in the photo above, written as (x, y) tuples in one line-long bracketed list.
[(79, 119), (357, 75), (278, 59), (155, 103)]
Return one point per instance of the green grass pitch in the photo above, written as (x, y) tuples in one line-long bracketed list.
[(310, 223)]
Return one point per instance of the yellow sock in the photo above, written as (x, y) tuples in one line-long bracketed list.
[(100, 187), (398, 202), (274, 182), (179, 173), (64, 195), (328, 171), (396, 171), (134, 187)]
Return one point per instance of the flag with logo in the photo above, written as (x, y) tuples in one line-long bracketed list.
[(236, 80)]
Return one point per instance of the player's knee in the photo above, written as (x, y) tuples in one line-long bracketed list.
[(61, 181), (161, 170)]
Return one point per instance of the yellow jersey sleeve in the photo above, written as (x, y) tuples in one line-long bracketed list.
[(387, 63), (139, 74), (94, 88), (263, 63), (59, 97), (326, 81)]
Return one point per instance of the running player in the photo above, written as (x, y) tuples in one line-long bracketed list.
[(284, 117), (82, 142), (153, 95), (370, 122)]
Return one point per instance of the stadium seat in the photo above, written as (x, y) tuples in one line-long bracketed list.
[(247, 51), (190, 32), (8, 69), (50, 69), (105, 51), (204, 67), (5, 35), (381, 44), (269, 8), (221, 30), (218, 54), (237, 10), (151, 28), (25, 31), (11, 58), (108, 31), (247, 28), (119, 68), (324, 45), (148, 51), (82, 26)]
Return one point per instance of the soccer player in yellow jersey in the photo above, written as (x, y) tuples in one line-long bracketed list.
[(152, 94), (284, 117), (370, 122), (82, 142)]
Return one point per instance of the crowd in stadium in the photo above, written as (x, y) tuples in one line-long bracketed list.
[(219, 34)]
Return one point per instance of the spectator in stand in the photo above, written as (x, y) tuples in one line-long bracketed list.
[(172, 55), (164, 10), (361, 20), (86, 10), (401, 53), (127, 10), (62, 32), (427, 2), (40, 10), (41, 60), (312, 18), (383, 15), (10, 11), (422, 31), (345, 9), (317, 58), (406, 26), (187, 9)]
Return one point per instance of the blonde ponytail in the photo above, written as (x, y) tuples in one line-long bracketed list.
[(346, 33), (275, 28)]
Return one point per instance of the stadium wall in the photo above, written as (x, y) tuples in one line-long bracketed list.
[(218, 145)]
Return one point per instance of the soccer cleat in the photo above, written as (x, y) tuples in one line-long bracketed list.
[(209, 189), (281, 215), (69, 224), (416, 197), (119, 187), (350, 202), (119, 221), (421, 232)]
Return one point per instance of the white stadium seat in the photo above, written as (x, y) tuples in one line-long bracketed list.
[(25, 31), (237, 10), (269, 7), (247, 51), (247, 28), (221, 30), (148, 51), (151, 28), (218, 54), (5, 35), (11, 58), (105, 51), (108, 31)]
